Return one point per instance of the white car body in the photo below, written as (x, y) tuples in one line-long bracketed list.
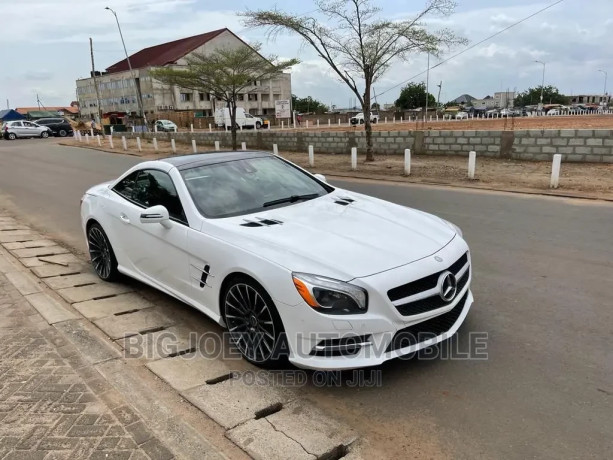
[(388, 250), (243, 119), (24, 129), (358, 119), (461, 115), (166, 125)]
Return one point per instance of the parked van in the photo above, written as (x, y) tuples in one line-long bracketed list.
[(243, 119)]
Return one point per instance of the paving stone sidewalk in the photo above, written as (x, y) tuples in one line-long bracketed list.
[(53, 404)]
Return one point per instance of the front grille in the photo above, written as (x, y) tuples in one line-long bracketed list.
[(428, 329), (424, 284)]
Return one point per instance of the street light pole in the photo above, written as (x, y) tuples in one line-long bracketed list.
[(138, 98), (605, 80), (542, 82)]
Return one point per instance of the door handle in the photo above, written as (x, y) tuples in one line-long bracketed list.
[(124, 218)]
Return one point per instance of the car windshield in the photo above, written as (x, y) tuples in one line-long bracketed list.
[(249, 185)]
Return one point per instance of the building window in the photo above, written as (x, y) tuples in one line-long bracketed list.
[(201, 96), (185, 97), (252, 97), (240, 97)]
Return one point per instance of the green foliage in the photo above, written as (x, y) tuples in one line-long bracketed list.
[(532, 96), (413, 96), (308, 105)]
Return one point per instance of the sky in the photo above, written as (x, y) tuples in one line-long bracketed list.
[(45, 45)]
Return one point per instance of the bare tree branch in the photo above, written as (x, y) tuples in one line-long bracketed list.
[(356, 44)]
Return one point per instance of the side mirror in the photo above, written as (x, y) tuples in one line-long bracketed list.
[(321, 177), (155, 215)]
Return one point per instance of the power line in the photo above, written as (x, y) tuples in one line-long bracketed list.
[(474, 45)]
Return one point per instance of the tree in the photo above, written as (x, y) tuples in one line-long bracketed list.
[(375, 106), (413, 96), (358, 45), (532, 96), (225, 73), (308, 104)]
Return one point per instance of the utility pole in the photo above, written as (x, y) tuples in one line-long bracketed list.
[(438, 99), (542, 82), (91, 51), (38, 101), (427, 86), (138, 95)]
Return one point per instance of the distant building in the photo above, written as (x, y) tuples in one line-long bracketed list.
[(591, 99), (33, 113), (464, 99), (118, 87), (500, 100)]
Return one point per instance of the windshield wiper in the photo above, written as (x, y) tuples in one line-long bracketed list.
[(291, 199)]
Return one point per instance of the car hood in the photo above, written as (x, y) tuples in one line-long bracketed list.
[(333, 236)]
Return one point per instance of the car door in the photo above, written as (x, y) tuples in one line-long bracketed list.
[(156, 252), (18, 129), (31, 129)]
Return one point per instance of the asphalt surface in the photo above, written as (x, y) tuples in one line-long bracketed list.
[(543, 271)]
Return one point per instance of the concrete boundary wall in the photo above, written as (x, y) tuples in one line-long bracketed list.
[(575, 145)]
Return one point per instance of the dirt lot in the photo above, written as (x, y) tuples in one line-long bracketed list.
[(557, 122), (588, 180)]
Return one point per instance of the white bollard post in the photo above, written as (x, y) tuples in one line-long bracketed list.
[(138, 146), (472, 162), (173, 146), (111, 142), (354, 158), (275, 149), (217, 146), (175, 129), (155, 144), (394, 119), (124, 143), (437, 117), (407, 162), (307, 124), (91, 131), (311, 156), (243, 145), (555, 170), (401, 118), (339, 121), (210, 128), (98, 139), (329, 122), (318, 122), (282, 124), (191, 128), (386, 120), (194, 148), (155, 128), (86, 138)]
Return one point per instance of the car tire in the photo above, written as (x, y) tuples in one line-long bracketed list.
[(361, 122), (62, 133), (11, 136), (44, 134), (101, 253), (374, 122), (258, 125), (254, 324)]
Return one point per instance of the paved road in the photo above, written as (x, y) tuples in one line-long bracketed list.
[(542, 279)]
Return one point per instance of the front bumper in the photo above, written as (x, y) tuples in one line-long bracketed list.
[(394, 344), (397, 323)]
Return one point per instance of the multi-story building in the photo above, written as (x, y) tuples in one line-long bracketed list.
[(501, 100), (591, 99), (119, 87)]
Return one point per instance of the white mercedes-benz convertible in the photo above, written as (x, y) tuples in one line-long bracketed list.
[(293, 267)]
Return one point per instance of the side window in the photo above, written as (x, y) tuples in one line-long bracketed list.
[(16, 123), (28, 124), (156, 188), (125, 188)]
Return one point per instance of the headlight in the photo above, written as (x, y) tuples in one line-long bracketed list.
[(330, 296)]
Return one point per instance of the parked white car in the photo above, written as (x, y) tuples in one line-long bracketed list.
[(461, 115), (292, 266), (554, 112), (166, 126), (358, 119), (21, 129)]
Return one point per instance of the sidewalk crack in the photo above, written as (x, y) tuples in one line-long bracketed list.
[(289, 437)]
